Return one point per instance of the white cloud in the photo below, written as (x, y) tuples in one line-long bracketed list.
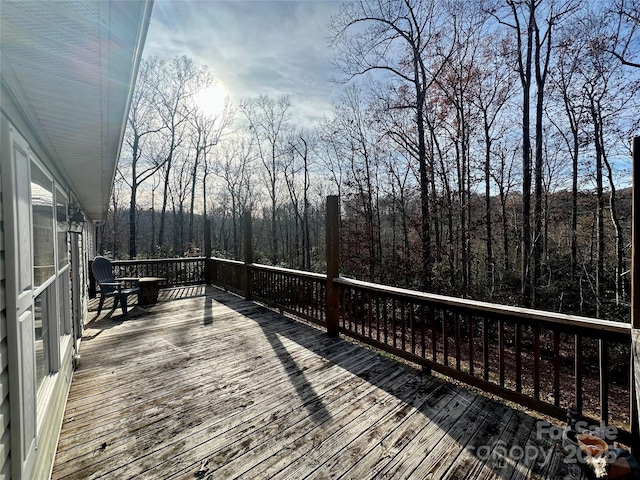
[(254, 47)]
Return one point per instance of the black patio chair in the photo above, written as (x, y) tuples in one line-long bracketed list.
[(112, 287)]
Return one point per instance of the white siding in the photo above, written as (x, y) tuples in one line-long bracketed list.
[(5, 438)]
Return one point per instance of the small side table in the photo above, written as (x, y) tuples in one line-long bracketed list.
[(149, 287)]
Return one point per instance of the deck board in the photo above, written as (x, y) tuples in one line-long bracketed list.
[(204, 376)]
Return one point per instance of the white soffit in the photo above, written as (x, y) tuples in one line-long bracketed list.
[(70, 67)]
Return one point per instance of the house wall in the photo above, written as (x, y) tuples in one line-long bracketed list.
[(5, 438), (52, 393)]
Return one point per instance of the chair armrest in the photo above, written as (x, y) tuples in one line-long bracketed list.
[(108, 288)]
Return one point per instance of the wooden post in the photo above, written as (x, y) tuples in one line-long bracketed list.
[(207, 252), (333, 265), (248, 257), (635, 297), (207, 237)]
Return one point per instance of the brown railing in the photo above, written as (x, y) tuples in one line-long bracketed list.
[(293, 291), (541, 360), (177, 271), (300, 293), (228, 274)]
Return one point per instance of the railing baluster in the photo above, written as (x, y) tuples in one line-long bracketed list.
[(471, 345), (393, 320), (456, 318), (556, 368), (485, 348), (369, 313), (578, 373), (423, 320), (445, 336), (604, 381), (403, 321), (518, 340), (412, 325), (536, 361), (386, 320), (377, 317), (434, 335), (501, 350)]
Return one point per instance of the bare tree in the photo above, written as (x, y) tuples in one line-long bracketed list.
[(392, 37), (533, 22), (565, 85), (142, 125), (268, 119), (493, 90), (206, 131), (625, 43), (174, 86), (234, 168), (608, 92), (292, 171)]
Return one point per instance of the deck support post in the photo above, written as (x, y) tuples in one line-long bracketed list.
[(634, 386), (207, 237), (333, 265), (207, 251), (248, 257)]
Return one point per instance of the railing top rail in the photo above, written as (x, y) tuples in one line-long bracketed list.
[(290, 271), (529, 314), (226, 260), (157, 260)]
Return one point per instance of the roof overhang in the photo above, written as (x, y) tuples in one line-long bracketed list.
[(70, 68)]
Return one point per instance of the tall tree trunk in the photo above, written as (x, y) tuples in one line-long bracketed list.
[(191, 238), (165, 197), (613, 209), (537, 212), (424, 191), (132, 222), (487, 196), (600, 239)]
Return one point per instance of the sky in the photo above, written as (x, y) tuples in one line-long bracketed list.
[(258, 47)]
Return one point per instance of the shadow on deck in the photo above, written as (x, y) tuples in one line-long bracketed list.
[(209, 386)]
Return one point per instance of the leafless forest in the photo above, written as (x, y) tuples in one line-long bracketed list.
[(479, 148)]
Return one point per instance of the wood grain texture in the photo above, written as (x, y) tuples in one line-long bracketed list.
[(206, 377)]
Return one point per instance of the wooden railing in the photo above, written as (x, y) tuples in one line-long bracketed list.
[(228, 274), (177, 271), (541, 360), (300, 293)]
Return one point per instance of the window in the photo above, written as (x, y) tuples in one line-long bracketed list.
[(64, 300), (52, 309), (43, 236), (62, 226), (41, 312)]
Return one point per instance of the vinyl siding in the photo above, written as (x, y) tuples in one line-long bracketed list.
[(53, 414), (5, 437), (52, 399)]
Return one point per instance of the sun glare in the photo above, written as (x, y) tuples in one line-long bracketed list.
[(211, 100)]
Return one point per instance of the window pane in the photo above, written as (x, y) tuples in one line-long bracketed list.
[(42, 205), (42, 336), (64, 286), (61, 217)]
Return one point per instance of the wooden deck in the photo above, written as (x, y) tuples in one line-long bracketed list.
[(207, 385)]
